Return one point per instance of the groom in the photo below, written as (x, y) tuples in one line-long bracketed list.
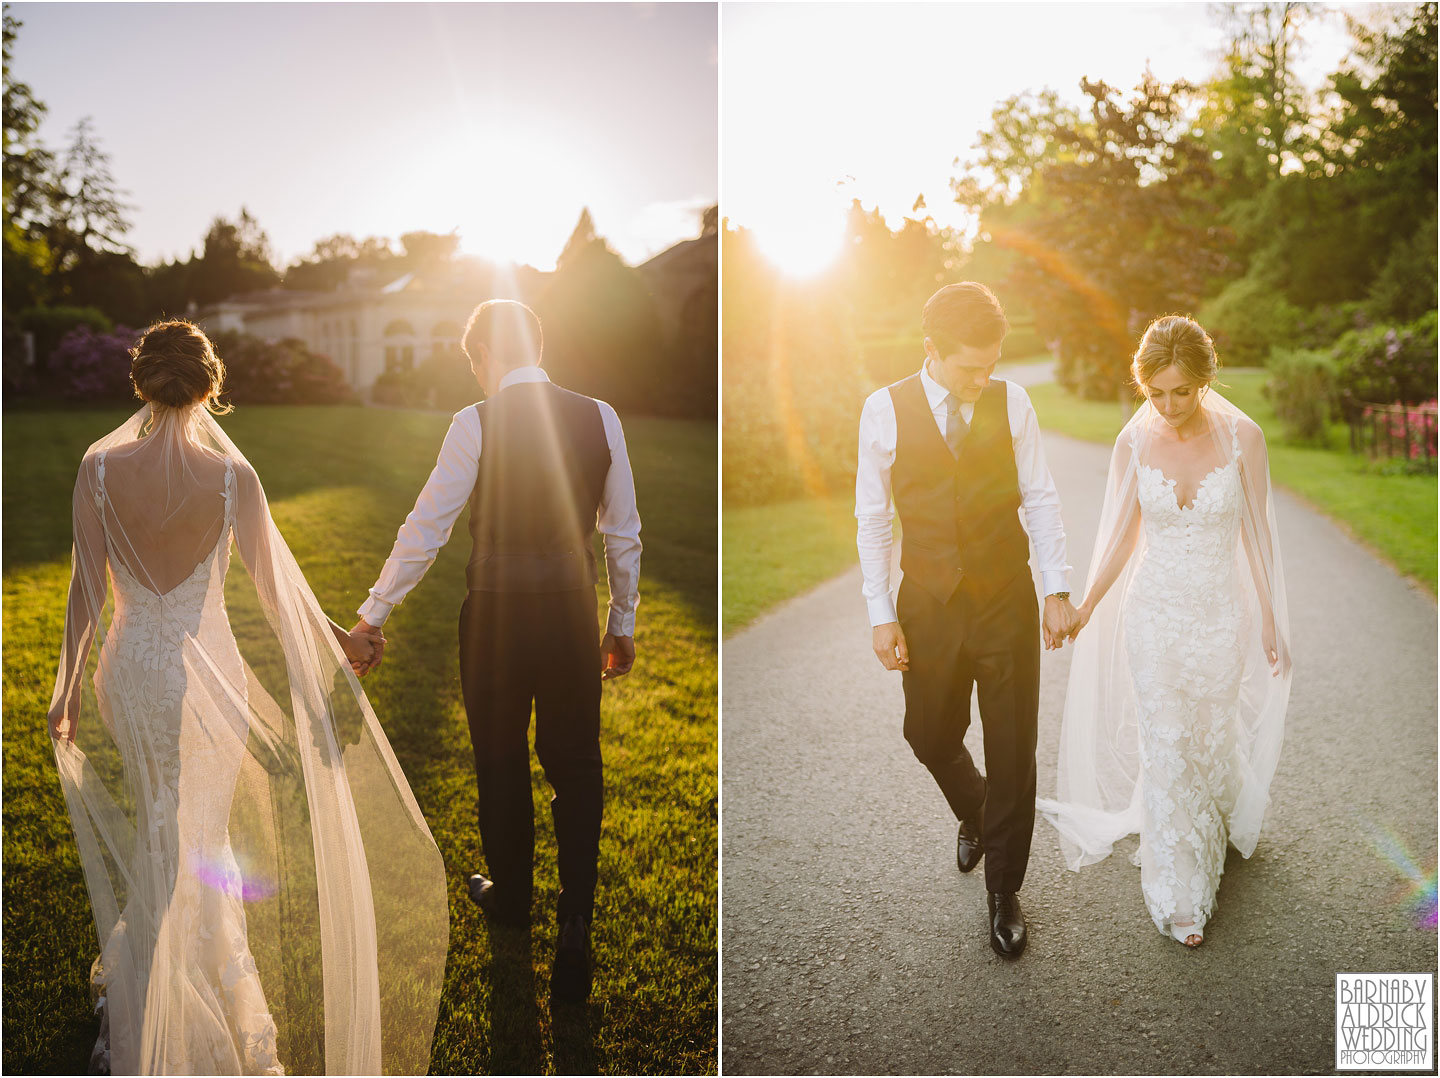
[(959, 452), (542, 469)]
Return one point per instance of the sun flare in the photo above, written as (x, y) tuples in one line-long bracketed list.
[(801, 245), (513, 195)]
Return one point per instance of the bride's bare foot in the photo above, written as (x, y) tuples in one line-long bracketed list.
[(1193, 940)]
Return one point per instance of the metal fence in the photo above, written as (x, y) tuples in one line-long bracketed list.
[(1403, 431)]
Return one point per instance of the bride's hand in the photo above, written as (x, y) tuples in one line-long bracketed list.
[(1082, 618), (1276, 653), (62, 724), (363, 650)]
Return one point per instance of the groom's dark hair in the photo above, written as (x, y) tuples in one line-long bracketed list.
[(509, 329), (964, 314)]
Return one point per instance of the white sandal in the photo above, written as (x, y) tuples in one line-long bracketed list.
[(1183, 933)]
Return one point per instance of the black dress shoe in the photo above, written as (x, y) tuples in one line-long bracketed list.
[(570, 980), (969, 846), (1007, 924), (482, 893)]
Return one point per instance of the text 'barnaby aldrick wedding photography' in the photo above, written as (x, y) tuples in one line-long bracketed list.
[(1383, 1021)]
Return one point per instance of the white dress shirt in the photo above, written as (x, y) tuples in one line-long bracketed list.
[(875, 507), (447, 490)]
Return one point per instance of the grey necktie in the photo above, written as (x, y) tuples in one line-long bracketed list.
[(955, 426)]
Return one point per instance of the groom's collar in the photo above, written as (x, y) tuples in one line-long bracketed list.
[(935, 393), (522, 374)]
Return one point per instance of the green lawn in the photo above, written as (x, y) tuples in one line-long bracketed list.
[(775, 551), (340, 481)]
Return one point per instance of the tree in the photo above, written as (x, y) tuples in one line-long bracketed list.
[(330, 264), (602, 333), (1023, 136), (1347, 228), (582, 239), (27, 164), (429, 251), (1258, 99), (236, 259), (886, 274), (1108, 215), (91, 264), (88, 216), (794, 382)]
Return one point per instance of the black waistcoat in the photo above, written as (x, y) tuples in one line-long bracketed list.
[(543, 462), (960, 518)]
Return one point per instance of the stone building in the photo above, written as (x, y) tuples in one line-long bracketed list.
[(372, 325), (366, 327)]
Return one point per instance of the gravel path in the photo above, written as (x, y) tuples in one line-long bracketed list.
[(852, 945)]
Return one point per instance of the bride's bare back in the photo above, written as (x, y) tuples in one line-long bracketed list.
[(165, 508)]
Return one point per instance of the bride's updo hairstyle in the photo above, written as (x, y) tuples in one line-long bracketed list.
[(174, 364), (1174, 340)]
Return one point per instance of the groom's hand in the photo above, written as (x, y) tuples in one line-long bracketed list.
[(1060, 621), (617, 656), (890, 647), (364, 632)]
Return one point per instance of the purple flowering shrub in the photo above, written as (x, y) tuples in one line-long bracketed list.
[(285, 372), (1386, 365), (88, 365)]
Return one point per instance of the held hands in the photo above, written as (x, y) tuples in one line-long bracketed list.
[(890, 647), (364, 646), (1061, 622), (617, 656), (1083, 614)]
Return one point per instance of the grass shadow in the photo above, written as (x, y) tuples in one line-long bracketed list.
[(516, 1040)]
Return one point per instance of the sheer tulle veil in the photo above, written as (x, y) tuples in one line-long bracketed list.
[(1098, 797), (231, 762)]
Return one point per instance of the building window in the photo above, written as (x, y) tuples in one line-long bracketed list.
[(445, 340), (399, 346)]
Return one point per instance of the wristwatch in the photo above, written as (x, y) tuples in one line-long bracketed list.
[(1063, 596)]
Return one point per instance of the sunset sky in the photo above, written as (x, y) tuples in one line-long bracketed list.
[(500, 120), (827, 102)]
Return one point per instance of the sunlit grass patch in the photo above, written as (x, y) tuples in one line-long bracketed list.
[(773, 552)]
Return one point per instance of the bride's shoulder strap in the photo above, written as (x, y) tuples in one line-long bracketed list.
[(229, 490), (100, 479)]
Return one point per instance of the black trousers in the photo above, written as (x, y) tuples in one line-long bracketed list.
[(519, 649), (990, 643)]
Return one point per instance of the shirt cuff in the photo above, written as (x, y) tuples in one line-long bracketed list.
[(375, 610), (882, 610), (1053, 580), (619, 624)]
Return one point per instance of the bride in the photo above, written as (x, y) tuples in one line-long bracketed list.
[(267, 895), (1175, 709)]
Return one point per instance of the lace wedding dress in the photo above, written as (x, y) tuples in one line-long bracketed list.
[(1173, 720), (222, 1024), (266, 894), (1183, 617)]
